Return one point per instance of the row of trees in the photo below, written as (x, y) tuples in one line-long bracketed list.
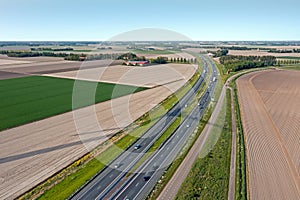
[(288, 62), (284, 51), (236, 63), (22, 54), (51, 49), (66, 56), (182, 60)]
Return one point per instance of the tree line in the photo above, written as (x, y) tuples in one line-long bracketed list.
[(236, 63), (66, 56), (51, 49)]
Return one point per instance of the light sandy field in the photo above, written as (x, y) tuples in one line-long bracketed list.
[(10, 62), (174, 55), (138, 76), (55, 66), (270, 109), (32, 59), (33, 152), (261, 53)]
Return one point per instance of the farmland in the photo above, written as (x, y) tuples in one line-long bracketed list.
[(269, 103), (28, 99), (38, 150)]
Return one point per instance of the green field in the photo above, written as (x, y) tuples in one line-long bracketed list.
[(289, 57), (24, 100)]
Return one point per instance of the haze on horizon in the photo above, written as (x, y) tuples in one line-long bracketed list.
[(91, 20)]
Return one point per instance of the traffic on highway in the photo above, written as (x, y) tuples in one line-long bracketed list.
[(110, 183)]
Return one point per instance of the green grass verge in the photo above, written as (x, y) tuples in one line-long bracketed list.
[(290, 67), (176, 163), (289, 57), (241, 160), (209, 176), (25, 100), (85, 168)]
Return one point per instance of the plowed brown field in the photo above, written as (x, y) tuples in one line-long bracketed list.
[(270, 108)]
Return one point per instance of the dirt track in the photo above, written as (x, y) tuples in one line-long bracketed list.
[(33, 152), (270, 110)]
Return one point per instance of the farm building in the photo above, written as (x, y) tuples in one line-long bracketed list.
[(137, 63)]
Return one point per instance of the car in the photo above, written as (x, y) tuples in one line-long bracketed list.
[(117, 165), (138, 146), (147, 176), (188, 126)]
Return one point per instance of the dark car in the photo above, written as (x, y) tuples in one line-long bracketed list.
[(138, 146)]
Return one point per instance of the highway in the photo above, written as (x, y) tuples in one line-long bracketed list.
[(138, 185), (107, 179)]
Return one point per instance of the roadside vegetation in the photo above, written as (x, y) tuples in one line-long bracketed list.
[(291, 67), (28, 99), (209, 176), (176, 163), (237, 63)]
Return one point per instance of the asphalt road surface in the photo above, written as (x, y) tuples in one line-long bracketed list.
[(106, 180)]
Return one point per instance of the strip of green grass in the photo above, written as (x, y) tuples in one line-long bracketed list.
[(28, 99), (292, 67), (209, 176), (241, 165), (289, 57)]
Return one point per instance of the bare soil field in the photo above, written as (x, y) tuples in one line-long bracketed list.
[(8, 75), (55, 66), (33, 152), (128, 75), (10, 62), (270, 108), (32, 59), (174, 55), (261, 53)]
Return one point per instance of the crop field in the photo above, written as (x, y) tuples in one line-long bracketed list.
[(269, 102), (28, 99)]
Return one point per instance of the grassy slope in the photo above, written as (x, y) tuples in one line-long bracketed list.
[(291, 67), (24, 100), (209, 176)]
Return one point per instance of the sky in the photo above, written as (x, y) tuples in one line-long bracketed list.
[(100, 20)]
